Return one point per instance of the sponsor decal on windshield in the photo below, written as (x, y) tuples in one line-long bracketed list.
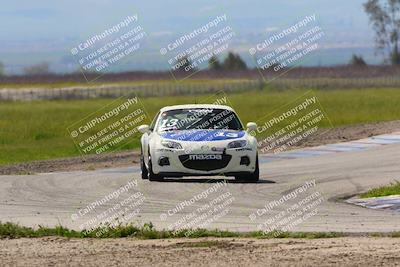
[(203, 135)]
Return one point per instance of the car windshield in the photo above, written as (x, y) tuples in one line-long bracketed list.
[(198, 118)]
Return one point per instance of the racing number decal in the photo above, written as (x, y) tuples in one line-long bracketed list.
[(169, 123), (224, 134)]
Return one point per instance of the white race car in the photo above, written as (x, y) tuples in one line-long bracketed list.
[(198, 140)]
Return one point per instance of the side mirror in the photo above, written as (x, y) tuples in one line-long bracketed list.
[(251, 126), (144, 128)]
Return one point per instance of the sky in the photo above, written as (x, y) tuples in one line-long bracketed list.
[(46, 31)]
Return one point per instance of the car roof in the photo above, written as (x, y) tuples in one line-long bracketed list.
[(193, 106)]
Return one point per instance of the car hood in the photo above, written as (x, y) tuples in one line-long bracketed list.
[(202, 135)]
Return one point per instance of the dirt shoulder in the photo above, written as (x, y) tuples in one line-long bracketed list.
[(127, 158), (84, 163), (351, 132), (347, 251)]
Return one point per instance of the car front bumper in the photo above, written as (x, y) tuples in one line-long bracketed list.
[(230, 162)]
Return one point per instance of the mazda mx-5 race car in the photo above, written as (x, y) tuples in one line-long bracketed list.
[(198, 140)]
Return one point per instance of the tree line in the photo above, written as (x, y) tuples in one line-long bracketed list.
[(384, 17), (232, 62)]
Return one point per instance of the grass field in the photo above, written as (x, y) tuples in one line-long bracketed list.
[(389, 190), (147, 231), (38, 130)]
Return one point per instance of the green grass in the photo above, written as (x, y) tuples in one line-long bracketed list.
[(38, 130), (392, 189), (147, 231)]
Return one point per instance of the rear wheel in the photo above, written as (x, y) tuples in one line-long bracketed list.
[(152, 176)]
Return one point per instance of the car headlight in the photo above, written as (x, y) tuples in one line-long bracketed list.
[(171, 144), (237, 144)]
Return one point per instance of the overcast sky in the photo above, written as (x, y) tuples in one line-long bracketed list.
[(46, 29)]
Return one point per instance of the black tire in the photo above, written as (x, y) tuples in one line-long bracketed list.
[(251, 177), (255, 176), (152, 176), (144, 172)]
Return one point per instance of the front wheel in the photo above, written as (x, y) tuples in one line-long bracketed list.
[(144, 172), (153, 176), (251, 177)]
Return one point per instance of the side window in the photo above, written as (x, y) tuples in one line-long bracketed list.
[(153, 123)]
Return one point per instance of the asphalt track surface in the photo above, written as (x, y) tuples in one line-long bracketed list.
[(338, 170)]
